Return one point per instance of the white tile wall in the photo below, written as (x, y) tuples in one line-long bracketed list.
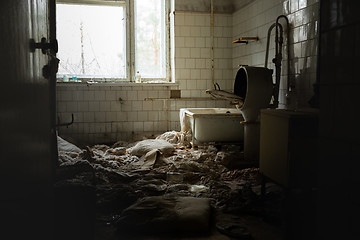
[(193, 52), (255, 20), (112, 113)]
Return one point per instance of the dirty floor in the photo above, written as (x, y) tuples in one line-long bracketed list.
[(96, 186)]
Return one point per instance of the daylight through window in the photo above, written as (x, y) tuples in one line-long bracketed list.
[(150, 38), (92, 41), (97, 40)]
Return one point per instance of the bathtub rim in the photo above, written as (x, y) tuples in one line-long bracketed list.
[(191, 114)]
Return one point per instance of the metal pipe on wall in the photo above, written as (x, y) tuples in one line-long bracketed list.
[(275, 60), (278, 56), (212, 42), (288, 47)]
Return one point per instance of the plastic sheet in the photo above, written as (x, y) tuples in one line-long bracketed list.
[(65, 146)]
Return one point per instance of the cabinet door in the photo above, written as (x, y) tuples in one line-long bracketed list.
[(288, 148), (274, 148)]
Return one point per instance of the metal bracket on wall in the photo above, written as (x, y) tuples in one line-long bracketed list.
[(245, 40)]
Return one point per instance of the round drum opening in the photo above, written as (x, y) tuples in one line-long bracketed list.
[(240, 85)]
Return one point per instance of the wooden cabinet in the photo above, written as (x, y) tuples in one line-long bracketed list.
[(288, 147)]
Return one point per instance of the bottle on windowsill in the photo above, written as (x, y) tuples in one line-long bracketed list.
[(65, 78), (138, 77)]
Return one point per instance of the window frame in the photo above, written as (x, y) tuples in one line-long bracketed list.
[(167, 43), (130, 40)]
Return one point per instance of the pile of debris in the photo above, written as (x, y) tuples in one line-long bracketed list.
[(156, 181)]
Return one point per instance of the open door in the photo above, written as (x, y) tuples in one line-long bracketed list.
[(27, 119)]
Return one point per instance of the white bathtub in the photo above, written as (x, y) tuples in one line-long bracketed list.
[(212, 124)]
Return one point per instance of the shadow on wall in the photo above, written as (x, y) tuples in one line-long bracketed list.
[(302, 86)]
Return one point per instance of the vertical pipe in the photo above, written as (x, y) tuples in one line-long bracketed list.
[(276, 60), (288, 47), (268, 44), (193, 132), (212, 43)]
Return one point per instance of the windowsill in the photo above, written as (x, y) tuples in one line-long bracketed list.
[(115, 84)]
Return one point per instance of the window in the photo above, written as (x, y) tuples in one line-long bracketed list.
[(150, 40), (113, 40)]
